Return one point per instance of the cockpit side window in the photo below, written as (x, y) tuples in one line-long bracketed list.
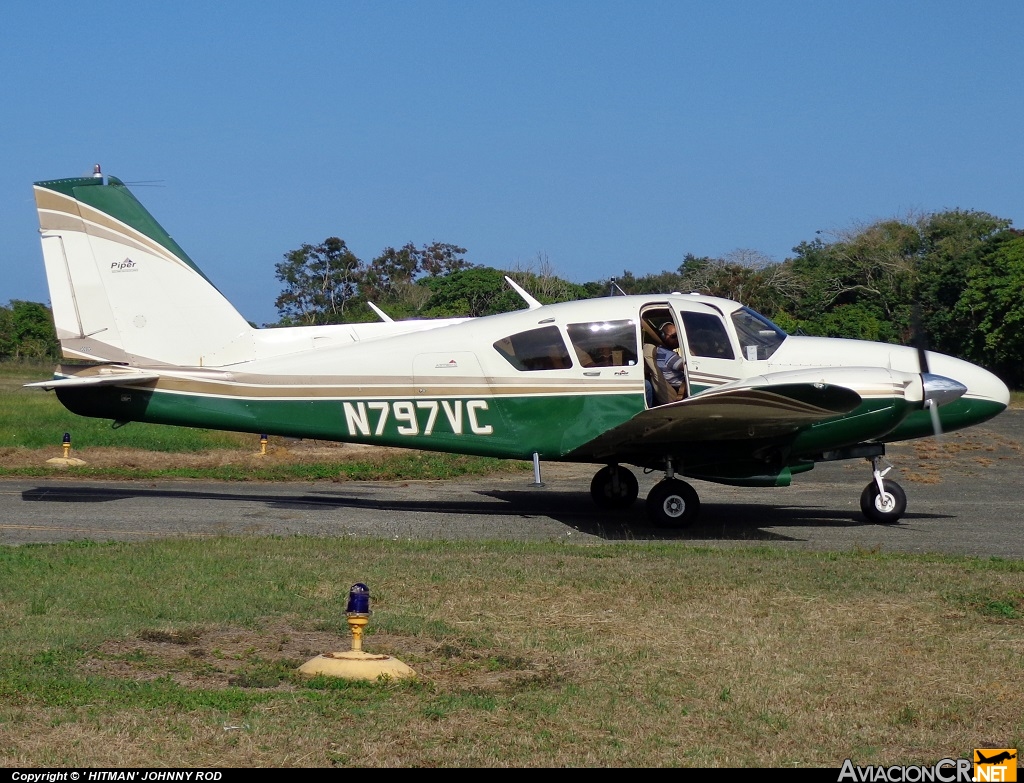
[(706, 335), (604, 343), (536, 349), (759, 337)]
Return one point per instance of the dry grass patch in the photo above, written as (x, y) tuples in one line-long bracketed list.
[(926, 460)]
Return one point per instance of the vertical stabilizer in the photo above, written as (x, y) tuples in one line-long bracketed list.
[(122, 290)]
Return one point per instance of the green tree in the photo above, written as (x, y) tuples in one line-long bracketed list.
[(480, 290), (745, 276), (956, 244), (319, 281), (541, 282), (441, 258), (991, 309), (391, 279), (27, 331), (862, 283), (663, 282), (8, 337)]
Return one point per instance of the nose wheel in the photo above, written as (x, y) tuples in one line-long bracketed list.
[(883, 507)]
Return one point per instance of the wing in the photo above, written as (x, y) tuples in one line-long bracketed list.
[(753, 412)]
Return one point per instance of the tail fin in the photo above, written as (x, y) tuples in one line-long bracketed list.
[(122, 290)]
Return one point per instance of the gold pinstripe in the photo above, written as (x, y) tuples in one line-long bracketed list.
[(56, 209)]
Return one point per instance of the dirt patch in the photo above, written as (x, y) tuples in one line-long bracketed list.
[(288, 452), (216, 658)]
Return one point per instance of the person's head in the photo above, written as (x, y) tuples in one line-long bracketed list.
[(668, 334)]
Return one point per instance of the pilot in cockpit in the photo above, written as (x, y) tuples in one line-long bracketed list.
[(672, 365)]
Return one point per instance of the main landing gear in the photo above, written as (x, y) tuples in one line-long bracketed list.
[(882, 501), (614, 487), (671, 503), (675, 504)]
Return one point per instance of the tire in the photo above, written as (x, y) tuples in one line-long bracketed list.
[(614, 486), (883, 509), (672, 504)]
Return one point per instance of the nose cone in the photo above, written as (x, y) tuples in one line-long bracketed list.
[(984, 394), (980, 383), (985, 397), (941, 390)]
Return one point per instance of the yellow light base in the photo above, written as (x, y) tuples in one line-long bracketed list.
[(64, 461), (357, 665)]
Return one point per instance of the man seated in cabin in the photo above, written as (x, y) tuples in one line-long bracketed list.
[(671, 364), (664, 360)]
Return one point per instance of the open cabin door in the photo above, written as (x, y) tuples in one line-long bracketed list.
[(707, 344), (654, 317)]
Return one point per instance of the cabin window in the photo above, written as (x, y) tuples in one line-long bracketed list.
[(537, 349), (706, 336), (759, 337), (604, 343)]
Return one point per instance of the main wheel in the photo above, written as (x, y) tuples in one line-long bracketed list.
[(883, 508), (614, 487), (672, 503)]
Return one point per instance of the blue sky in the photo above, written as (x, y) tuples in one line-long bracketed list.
[(603, 136)]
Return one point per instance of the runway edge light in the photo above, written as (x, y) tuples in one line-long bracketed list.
[(65, 460), (357, 664)]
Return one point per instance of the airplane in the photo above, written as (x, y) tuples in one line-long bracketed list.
[(153, 340), (996, 759)]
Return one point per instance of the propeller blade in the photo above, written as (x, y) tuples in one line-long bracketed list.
[(922, 360), (933, 409), (918, 339)]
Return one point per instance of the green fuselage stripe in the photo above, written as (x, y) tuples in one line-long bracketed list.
[(514, 426)]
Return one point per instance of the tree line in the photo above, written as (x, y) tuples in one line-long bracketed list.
[(26, 331), (952, 281), (327, 283)]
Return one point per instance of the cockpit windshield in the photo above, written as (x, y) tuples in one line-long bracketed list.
[(759, 337)]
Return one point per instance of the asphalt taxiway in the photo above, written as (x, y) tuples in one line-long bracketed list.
[(963, 498)]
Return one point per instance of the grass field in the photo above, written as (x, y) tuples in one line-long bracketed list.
[(183, 653)]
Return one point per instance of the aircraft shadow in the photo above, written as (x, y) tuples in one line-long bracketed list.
[(717, 522)]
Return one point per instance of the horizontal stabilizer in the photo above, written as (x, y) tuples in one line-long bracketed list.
[(114, 379)]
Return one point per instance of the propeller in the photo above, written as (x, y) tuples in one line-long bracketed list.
[(937, 389)]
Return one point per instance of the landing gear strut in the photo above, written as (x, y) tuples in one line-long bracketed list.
[(882, 501)]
